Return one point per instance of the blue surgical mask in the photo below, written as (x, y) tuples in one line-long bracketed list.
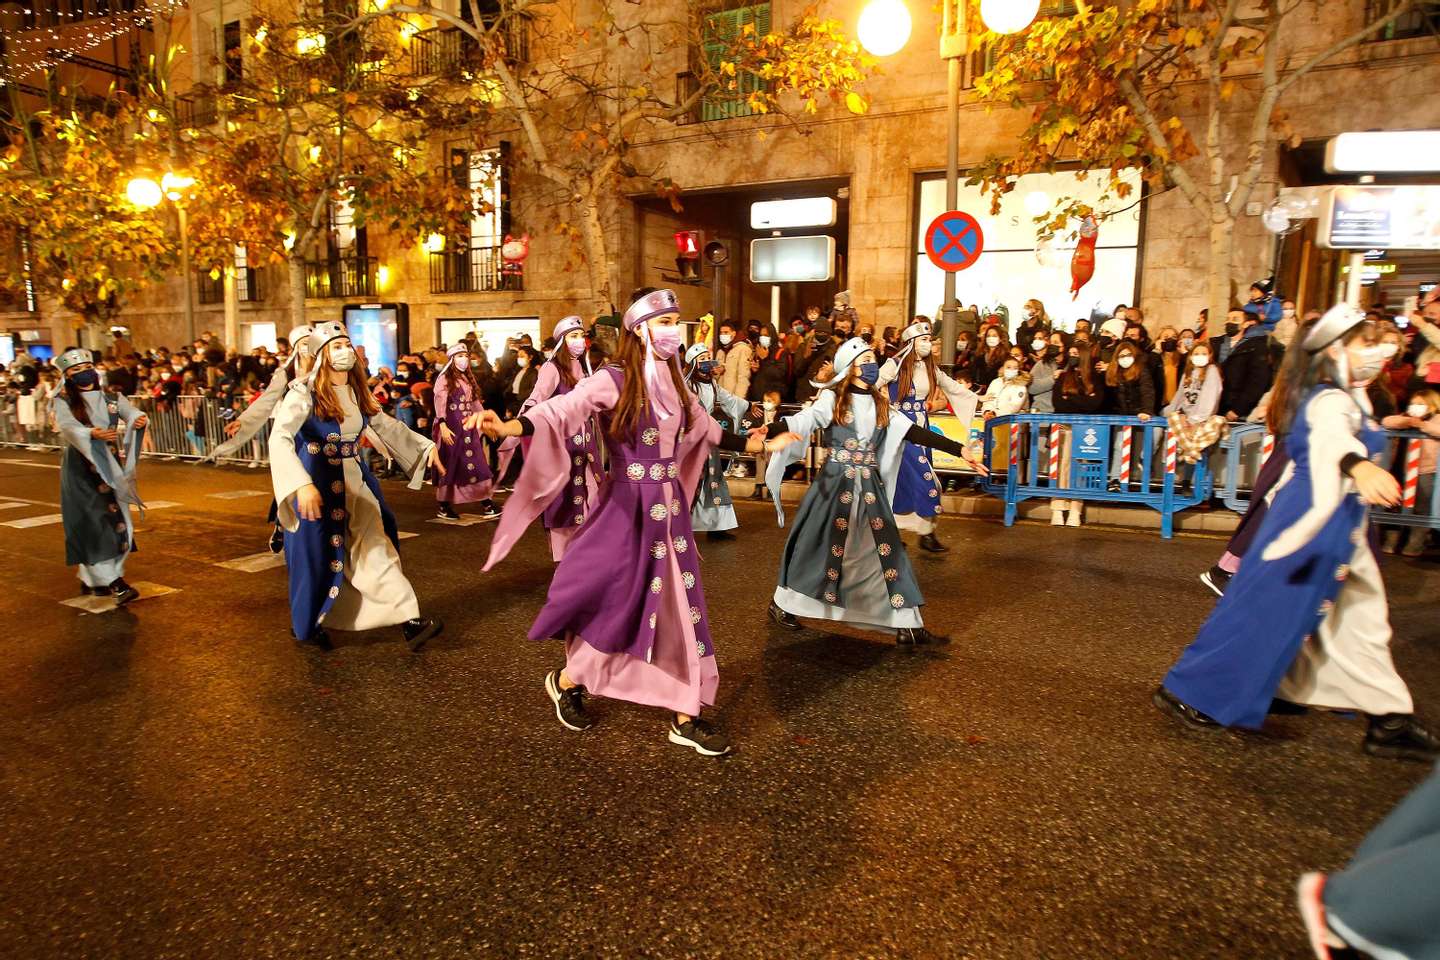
[(85, 379), (870, 373), (705, 368)]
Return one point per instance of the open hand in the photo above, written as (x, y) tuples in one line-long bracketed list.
[(102, 434), (308, 503), (231, 428), (1376, 485), (778, 443), (142, 421), (471, 422), (447, 436)]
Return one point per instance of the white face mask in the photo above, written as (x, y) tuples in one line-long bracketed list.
[(1371, 362), (725, 339), (770, 406), (1126, 362), (765, 342), (1037, 345), (923, 346), (992, 341), (1418, 410), (1288, 313), (1201, 361), (343, 358), (1009, 373), (522, 362), (1388, 349), (462, 363), (1186, 343)]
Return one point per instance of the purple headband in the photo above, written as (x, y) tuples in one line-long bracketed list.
[(567, 325), (657, 303)]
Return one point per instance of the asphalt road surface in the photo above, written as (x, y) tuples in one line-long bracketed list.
[(180, 779)]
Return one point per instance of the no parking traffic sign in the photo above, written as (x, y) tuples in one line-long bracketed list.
[(954, 241)]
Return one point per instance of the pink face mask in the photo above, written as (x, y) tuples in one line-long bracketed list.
[(665, 341), (576, 347)]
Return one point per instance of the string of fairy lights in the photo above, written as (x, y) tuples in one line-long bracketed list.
[(30, 50)]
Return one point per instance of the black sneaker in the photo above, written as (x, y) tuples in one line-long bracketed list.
[(1399, 736), (919, 637), (719, 536), (87, 590), (488, 510), (931, 544), (277, 539), (123, 592), (446, 512), (1113, 486), (1173, 706), (318, 638), (784, 618), (569, 704), (1216, 579), (699, 736), (419, 630)]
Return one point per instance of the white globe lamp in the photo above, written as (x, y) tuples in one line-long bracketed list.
[(144, 193), (1008, 16), (884, 27)]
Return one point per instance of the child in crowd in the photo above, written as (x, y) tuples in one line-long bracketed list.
[(1419, 415)]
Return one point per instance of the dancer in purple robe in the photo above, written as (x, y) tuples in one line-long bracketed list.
[(458, 405), (627, 596)]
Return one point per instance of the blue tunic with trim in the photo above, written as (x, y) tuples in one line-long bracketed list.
[(917, 488)]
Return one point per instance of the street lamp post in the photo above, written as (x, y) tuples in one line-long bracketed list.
[(877, 32), (145, 192)]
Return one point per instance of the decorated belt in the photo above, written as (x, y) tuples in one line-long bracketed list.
[(846, 455), (335, 447), (637, 471)]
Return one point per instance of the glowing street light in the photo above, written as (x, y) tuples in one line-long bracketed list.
[(884, 27), (144, 193), (1008, 16)]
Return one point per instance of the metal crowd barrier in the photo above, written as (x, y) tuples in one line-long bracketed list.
[(1249, 446), (1030, 455)]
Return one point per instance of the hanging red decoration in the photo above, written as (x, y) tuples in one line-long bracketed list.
[(1082, 264)]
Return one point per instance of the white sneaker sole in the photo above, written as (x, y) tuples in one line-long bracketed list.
[(552, 690), (1312, 912), (1206, 579), (676, 738)]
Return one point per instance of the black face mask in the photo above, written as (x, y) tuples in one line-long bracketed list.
[(85, 379), (1231, 328), (1167, 345), (821, 339)]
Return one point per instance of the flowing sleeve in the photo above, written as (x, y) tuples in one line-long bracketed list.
[(963, 400), (889, 370), (816, 416), (287, 473), (75, 433), (254, 417), (410, 449), (547, 461), (442, 396), (735, 407), (1330, 419), (546, 382)]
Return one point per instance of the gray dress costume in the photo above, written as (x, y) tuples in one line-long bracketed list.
[(97, 487), (713, 508)]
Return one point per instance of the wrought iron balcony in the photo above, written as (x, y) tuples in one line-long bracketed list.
[(447, 51), (476, 270), (247, 286), (340, 277)]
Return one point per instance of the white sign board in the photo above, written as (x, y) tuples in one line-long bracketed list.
[(1365, 217), (1384, 151), (798, 212), (792, 259)]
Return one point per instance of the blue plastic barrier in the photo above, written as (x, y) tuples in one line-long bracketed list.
[(1245, 450), (1030, 440)]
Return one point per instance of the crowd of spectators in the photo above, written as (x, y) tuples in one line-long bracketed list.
[(1201, 376)]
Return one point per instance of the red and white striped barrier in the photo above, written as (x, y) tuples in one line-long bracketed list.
[(1016, 432), (1170, 452), (1054, 454), (1412, 474), (1267, 447), (1126, 437)]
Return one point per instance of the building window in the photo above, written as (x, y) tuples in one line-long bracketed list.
[(1423, 20), (471, 261), (233, 57), (721, 29), (1013, 267)]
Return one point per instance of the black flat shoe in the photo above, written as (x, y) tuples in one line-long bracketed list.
[(123, 592), (783, 617), (1216, 579), (419, 630), (1287, 708), (1173, 706), (277, 539), (1399, 736), (446, 512), (931, 544), (86, 591), (319, 639), (719, 536), (919, 637)]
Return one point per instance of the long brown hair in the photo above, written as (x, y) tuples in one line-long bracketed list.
[(907, 375), (327, 404), (454, 375), (996, 356), (630, 358), (842, 401), (74, 398), (1115, 373), (1079, 378), (564, 363)]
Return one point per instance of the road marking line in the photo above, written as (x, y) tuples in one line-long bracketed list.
[(161, 504), (255, 562), (46, 520), (92, 604), (238, 494), (466, 520), (11, 504), (406, 535), (33, 463)]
